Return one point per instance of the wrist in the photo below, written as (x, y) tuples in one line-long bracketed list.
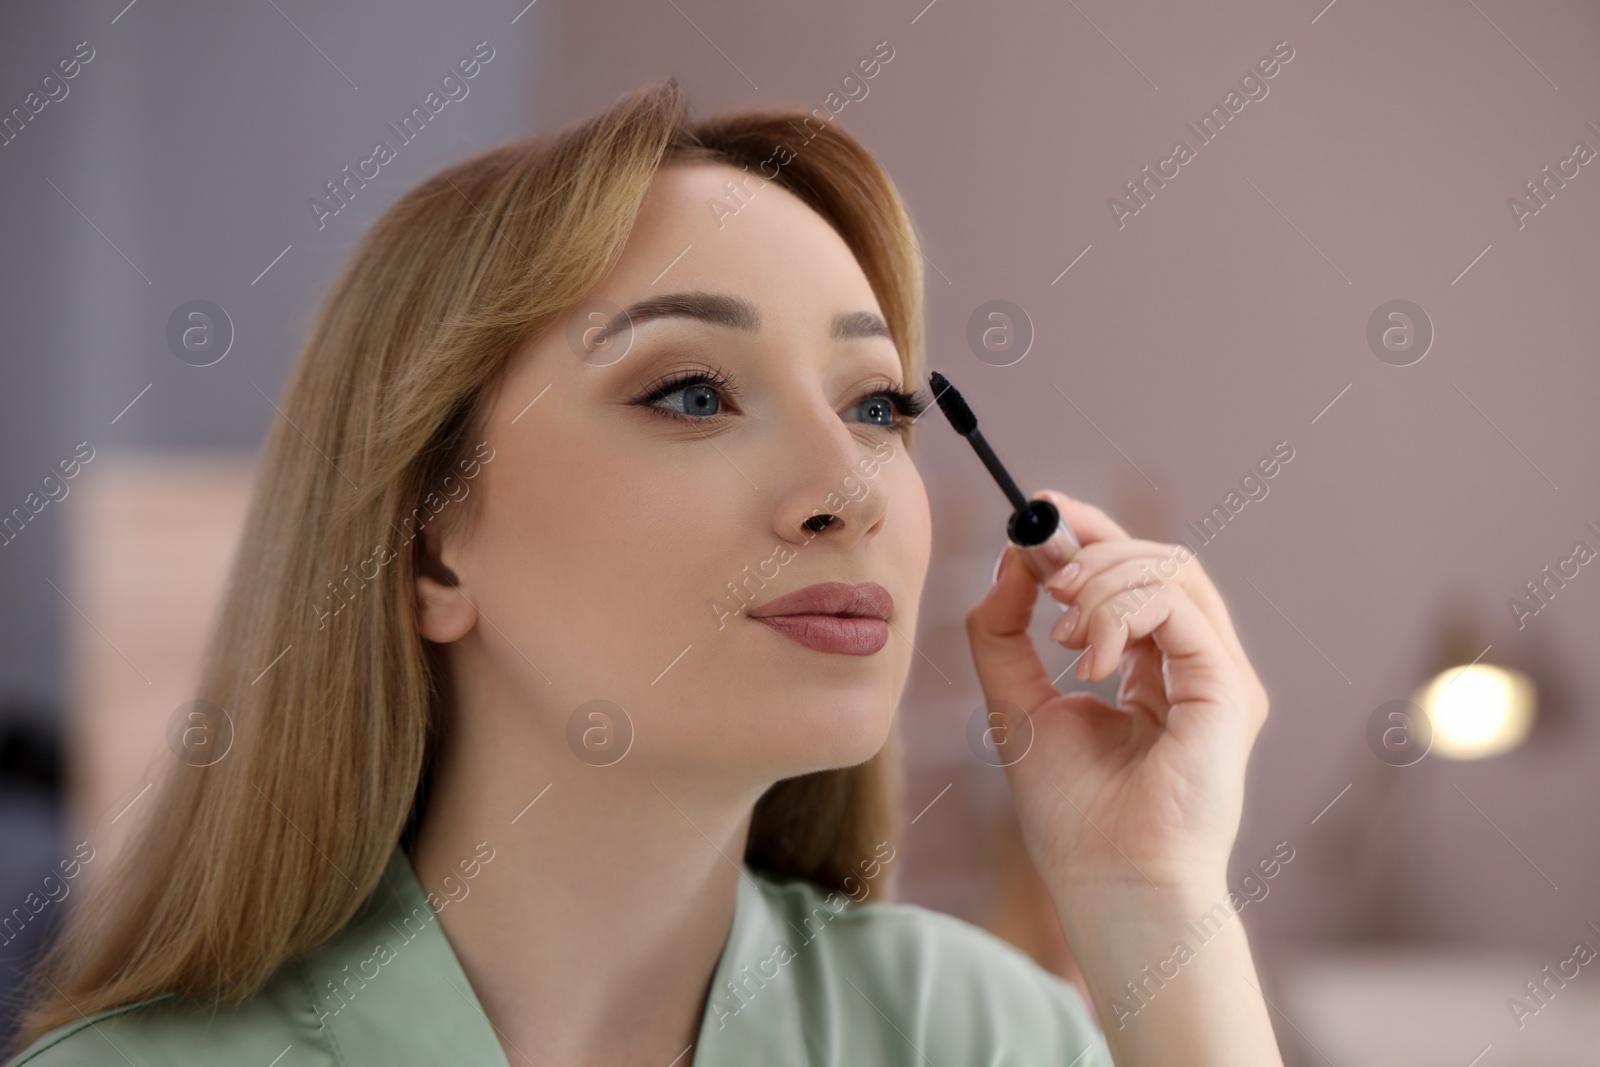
[(1150, 889), (1119, 922), (1171, 977)]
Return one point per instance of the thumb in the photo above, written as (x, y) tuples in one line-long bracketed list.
[(1003, 652)]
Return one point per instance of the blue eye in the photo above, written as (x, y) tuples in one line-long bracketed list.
[(697, 396), (878, 407), (700, 397), (893, 409), (697, 400)]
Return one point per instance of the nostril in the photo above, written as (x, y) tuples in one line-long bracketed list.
[(817, 523)]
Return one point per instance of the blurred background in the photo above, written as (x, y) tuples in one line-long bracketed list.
[(1342, 344)]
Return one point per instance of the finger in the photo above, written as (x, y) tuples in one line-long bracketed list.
[(1197, 660), (1123, 587), (1003, 652), (1091, 525), (1149, 559), (1161, 560), (1155, 563), (1087, 522), (1143, 688), (1194, 581)]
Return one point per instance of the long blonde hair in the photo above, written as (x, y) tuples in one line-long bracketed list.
[(261, 856)]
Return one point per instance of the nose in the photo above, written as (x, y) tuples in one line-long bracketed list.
[(827, 490)]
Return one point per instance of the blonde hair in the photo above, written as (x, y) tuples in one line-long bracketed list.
[(261, 856)]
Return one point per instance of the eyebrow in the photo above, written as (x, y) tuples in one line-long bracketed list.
[(720, 309)]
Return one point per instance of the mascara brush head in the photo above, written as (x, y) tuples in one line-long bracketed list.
[(966, 424), (1035, 525), (952, 404)]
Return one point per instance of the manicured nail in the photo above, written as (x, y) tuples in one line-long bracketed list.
[(1083, 662), (1001, 563), (1063, 577)]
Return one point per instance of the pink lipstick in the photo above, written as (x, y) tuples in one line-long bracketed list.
[(852, 620)]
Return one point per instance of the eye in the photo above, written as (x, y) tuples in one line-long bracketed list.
[(877, 409), (697, 396), (892, 409), (693, 396), (696, 400)]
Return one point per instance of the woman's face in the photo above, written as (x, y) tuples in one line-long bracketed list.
[(621, 543)]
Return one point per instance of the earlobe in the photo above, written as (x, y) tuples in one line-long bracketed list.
[(445, 612)]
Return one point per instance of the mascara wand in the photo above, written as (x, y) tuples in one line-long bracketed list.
[(1035, 526)]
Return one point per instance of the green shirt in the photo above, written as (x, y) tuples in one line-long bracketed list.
[(805, 977)]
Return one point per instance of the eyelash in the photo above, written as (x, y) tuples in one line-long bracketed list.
[(907, 406)]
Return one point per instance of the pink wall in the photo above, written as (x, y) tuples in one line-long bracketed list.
[(1221, 319)]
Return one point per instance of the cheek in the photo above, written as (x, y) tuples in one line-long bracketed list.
[(601, 564), (912, 519), (919, 522), (624, 549)]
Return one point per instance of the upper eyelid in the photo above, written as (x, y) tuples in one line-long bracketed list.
[(676, 381), (668, 384)]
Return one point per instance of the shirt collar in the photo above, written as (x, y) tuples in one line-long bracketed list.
[(753, 1010), (389, 987)]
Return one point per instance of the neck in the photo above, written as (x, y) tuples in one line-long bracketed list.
[(592, 933)]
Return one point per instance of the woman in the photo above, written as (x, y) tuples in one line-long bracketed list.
[(562, 651)]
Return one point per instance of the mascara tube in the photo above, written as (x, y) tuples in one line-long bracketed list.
[(1035, 526), (1046, 543)]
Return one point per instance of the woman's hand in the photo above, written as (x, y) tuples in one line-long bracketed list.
[(1148, 791), (1129, 812)]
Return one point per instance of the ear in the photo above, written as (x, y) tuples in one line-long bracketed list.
[(445, 612)]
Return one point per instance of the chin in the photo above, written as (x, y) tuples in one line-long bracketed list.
[(819, 735), (786, 736)]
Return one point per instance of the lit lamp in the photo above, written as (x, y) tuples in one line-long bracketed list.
[(1477, 711), (1476, 707)]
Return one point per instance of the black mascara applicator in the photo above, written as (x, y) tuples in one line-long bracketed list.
[(1035, 526)]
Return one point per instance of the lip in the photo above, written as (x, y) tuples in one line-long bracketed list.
[(838, 617), (868, 600)]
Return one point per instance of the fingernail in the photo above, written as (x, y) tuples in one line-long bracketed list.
[(1062, 627), (1063, 577), (1083, 662), (1001, 562)]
